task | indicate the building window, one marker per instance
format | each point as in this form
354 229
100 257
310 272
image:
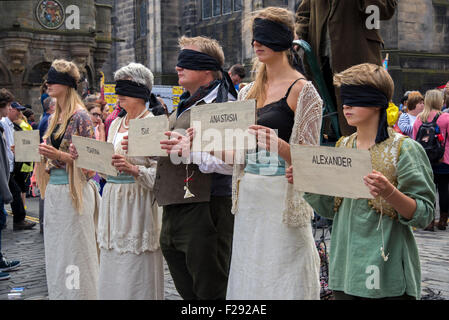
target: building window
141 17
237 5
207 9
227 6
215 8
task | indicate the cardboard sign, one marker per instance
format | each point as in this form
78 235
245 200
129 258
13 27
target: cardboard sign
330 171
27 146
145 136
94 155
223 126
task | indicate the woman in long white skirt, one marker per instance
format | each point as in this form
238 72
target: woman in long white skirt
131 265
273 253
71 201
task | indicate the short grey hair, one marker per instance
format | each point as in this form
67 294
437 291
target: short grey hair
136 72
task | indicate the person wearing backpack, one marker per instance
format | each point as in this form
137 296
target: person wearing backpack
431 129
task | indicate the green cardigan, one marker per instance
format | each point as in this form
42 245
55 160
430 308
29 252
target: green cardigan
356 265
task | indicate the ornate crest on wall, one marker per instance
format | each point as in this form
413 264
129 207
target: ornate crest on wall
50 14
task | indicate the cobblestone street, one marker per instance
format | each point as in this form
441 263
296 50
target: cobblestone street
28 247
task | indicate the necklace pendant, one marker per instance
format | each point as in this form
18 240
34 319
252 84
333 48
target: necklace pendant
188 193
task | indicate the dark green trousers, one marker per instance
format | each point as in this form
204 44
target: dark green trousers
196 241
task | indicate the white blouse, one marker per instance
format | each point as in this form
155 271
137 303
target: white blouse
128 220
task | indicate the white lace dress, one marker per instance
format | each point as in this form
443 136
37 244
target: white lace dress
131 265
273 254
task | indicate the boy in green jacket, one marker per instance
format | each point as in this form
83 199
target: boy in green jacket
373 251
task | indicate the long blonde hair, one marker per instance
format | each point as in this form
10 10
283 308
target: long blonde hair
259 69
76 177
433 101
72 99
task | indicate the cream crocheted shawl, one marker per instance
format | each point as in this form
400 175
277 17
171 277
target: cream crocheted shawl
306 130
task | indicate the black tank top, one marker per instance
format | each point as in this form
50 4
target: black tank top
278 115
56 143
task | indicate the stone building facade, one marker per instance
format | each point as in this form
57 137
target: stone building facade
28 46
147 31
114 33
416 38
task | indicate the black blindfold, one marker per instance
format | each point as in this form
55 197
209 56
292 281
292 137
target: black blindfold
272 35
367 96
363 96
55 77
195 60
132 89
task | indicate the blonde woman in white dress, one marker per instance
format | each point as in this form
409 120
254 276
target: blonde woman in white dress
274 254
71 199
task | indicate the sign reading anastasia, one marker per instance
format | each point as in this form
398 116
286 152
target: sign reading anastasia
145 136
330 171
223 126
94 155
27 146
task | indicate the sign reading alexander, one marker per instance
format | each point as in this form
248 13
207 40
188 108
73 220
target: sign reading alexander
145 136
330 171
223 126
94 155
27 146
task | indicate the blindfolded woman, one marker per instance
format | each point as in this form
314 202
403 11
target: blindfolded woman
274 254
70 198
128 229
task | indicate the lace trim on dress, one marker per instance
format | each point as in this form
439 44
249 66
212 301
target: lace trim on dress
148 241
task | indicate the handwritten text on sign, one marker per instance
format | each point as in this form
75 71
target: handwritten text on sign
94 155
329 171
145 136
27 146
223 126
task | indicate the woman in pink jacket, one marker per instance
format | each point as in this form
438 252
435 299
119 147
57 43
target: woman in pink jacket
433 104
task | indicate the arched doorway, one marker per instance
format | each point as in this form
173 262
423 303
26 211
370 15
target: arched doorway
38 73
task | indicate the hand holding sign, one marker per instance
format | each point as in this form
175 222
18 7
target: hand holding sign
178 144
379 185
122 165
49 152
289 174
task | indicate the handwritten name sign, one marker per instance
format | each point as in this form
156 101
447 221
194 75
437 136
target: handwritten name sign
223 126
145 136
94 155
329 171
27 146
